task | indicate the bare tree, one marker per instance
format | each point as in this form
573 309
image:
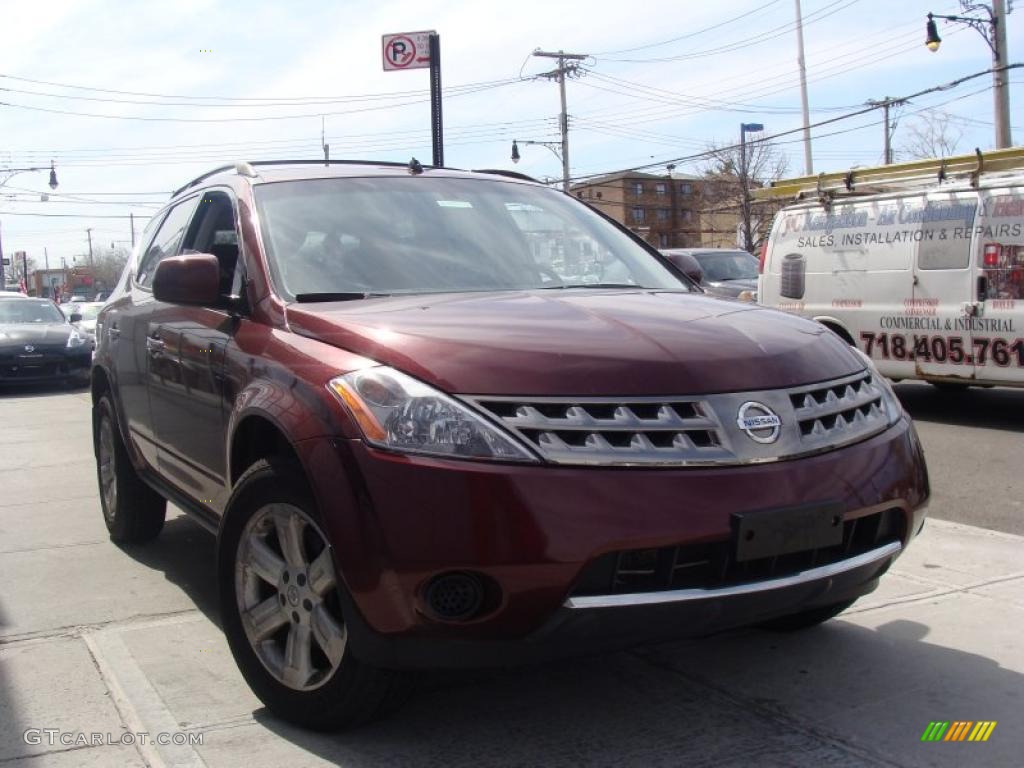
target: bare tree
730 173
108 266
931 134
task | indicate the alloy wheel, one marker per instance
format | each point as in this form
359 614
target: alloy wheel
285 587
108 467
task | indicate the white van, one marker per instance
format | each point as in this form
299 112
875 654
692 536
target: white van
928 280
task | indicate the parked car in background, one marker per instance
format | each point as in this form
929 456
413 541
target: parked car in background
719 271
426 436
88 311
38 343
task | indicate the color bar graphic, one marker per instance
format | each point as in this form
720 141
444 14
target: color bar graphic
958 730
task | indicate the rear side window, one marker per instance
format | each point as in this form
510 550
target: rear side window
166 241
946 233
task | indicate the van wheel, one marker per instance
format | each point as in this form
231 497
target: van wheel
134 512
807 619
282 611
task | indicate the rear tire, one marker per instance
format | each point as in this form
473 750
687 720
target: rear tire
807 619
134 512
282 611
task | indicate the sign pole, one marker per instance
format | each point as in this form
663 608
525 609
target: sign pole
436 121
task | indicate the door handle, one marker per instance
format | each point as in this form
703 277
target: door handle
114 332
154 345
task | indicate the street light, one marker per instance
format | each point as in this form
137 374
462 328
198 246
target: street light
554 146
748 235
12 172
993 29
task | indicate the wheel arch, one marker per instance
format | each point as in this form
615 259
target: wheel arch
838 328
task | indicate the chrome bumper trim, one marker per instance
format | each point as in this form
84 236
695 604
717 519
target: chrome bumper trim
689 595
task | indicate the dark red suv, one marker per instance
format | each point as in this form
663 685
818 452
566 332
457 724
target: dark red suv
443 418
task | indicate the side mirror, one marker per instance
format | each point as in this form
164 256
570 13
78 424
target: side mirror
75 318
695 273
192 279
688 265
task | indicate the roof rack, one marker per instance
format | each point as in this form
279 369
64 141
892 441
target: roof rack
247 168
883 178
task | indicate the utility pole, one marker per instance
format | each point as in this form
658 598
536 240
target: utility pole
323 142
559 74
1000 77
88 233
808 163
885 103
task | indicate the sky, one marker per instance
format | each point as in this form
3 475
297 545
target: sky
132 99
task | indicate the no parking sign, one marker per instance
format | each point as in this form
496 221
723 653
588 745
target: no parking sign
408 50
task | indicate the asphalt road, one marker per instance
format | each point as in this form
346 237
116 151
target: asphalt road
974 445
101 640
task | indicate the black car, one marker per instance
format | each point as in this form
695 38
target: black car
38 343
719 271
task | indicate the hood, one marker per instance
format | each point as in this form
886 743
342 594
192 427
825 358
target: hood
731 288
580 342
34 333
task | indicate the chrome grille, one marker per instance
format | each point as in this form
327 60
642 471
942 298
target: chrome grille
690 431
835 411
599 430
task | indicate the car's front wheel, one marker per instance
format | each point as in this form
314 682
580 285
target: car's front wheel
134 512
281 607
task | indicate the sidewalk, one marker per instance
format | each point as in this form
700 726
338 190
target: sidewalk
96 639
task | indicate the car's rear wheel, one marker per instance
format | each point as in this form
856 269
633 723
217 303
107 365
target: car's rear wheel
806 619
282 609
133 512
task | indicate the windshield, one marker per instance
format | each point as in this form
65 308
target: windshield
23 311
734 265
424 235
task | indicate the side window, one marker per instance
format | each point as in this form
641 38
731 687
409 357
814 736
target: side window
167 240
213 231
945 238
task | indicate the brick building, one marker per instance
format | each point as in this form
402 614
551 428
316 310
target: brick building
663 209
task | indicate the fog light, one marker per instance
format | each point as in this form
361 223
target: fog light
455 596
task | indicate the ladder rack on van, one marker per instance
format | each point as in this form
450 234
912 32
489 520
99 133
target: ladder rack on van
884 178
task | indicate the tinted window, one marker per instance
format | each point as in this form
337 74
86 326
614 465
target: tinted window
29 312
420 235
167 240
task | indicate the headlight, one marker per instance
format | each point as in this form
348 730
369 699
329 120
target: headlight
891 403
398 412
77 339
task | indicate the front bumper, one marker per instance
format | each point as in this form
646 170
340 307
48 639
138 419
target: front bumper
19 367
396 522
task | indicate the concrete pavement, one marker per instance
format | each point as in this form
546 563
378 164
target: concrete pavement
97 639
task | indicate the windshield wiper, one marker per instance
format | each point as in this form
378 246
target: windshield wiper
311 298
593 285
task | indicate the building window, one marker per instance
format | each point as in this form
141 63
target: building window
663 214
663 241
598 195
686 188
639 216
687 215
660 189
638 187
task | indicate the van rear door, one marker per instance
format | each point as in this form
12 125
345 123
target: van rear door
999 258
940 341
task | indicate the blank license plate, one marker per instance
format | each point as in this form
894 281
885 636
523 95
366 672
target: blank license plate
774 532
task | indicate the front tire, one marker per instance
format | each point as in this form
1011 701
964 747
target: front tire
282 611
134 512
